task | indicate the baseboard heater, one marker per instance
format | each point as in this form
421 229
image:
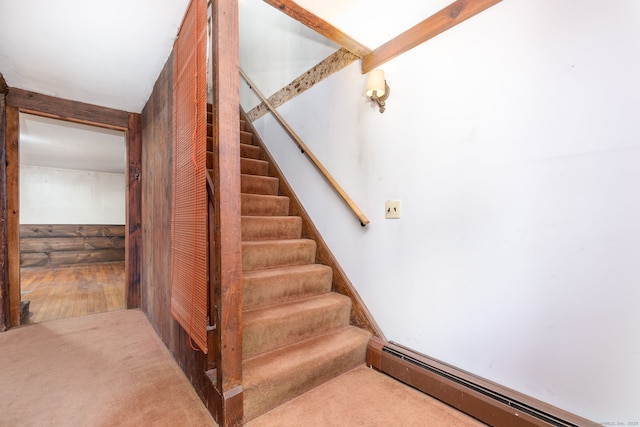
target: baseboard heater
482 399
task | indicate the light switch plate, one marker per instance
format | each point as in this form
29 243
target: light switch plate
392 209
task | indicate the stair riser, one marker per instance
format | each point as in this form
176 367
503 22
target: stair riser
246 138
254 184
271 228
252 204
248 151
264 332
209 160
279 384
254 167
259 255
280 286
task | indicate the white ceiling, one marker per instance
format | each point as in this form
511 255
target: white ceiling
374 22
107 53
64 145
110 53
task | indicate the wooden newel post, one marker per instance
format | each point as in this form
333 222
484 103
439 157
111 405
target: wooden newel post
227 398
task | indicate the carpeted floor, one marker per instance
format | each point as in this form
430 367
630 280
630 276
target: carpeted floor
111 369
108 369
364 397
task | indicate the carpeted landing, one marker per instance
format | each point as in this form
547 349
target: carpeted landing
108 369
364 397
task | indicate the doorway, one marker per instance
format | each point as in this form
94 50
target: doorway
72 192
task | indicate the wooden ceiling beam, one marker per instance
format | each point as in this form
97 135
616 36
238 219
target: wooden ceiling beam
320 26
450 16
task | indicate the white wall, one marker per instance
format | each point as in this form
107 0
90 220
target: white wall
64 196
513 142
282 49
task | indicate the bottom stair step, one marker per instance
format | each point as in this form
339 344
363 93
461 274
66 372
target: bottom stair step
279 325
273 378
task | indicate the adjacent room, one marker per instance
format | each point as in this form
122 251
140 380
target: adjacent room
72 215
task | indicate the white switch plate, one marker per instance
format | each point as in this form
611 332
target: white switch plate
392 209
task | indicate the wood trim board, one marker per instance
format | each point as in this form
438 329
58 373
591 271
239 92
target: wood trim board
64 109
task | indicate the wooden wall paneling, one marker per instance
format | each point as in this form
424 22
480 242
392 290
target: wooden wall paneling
74 111
439 22
157 137
133 232
227 394
70 230
67 244
155 279
56 244
13 203
70 257
4 255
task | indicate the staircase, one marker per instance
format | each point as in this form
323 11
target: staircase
296 332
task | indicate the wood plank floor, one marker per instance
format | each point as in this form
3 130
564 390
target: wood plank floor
71 291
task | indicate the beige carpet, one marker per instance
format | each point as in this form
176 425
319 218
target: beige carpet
108 369
364 397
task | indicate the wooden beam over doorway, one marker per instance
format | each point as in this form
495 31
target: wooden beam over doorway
64 109
437 23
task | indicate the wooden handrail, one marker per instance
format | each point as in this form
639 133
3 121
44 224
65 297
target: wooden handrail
305 150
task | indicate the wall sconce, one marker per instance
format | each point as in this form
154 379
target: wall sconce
377 88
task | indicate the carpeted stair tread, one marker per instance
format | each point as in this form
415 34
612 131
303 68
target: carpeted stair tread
278 285
272 378
271 227
268 328
260 204
254 166
257 184
262 254
246 150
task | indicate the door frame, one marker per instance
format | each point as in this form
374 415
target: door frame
19 100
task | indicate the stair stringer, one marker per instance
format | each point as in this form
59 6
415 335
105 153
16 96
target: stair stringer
360 315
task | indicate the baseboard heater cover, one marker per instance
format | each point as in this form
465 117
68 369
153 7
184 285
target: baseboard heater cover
482 399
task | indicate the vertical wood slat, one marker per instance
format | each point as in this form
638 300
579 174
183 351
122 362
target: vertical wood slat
226 138
4 271
133 242
13 220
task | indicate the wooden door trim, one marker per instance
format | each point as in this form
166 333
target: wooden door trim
79 112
